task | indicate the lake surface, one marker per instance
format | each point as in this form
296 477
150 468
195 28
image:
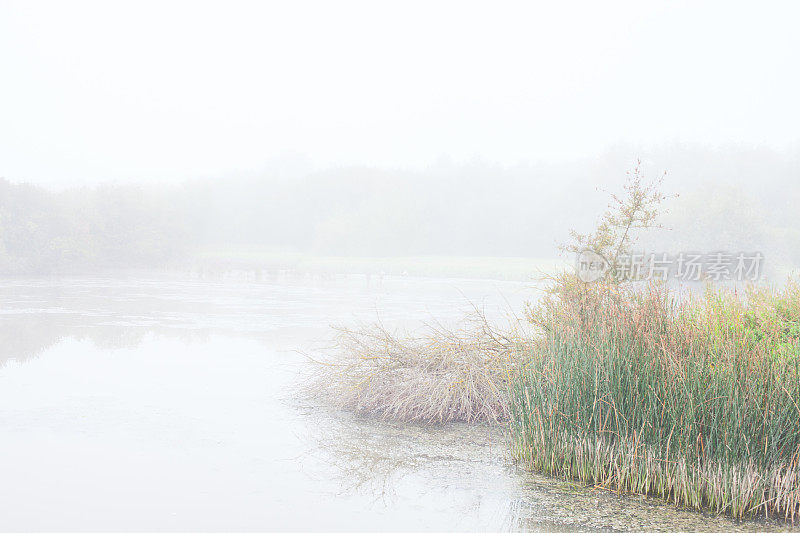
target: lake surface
171 404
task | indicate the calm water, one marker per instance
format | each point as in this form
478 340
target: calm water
171 405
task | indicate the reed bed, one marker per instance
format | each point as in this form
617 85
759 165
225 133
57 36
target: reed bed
694 400
439 375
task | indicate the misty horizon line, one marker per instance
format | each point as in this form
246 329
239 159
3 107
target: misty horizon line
298 164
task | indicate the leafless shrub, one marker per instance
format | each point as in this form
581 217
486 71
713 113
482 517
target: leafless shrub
441 375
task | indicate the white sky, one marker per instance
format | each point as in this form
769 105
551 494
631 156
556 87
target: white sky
167 90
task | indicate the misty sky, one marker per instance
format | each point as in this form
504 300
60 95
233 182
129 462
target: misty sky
169 90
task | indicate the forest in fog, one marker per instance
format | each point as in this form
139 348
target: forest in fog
476 209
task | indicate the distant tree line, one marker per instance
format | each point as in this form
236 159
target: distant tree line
108 227
344 212
729 199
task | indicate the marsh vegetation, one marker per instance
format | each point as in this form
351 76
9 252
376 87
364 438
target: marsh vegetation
441 374
630 386
694 400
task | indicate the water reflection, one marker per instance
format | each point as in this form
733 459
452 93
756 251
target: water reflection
35 314
383 459
177 399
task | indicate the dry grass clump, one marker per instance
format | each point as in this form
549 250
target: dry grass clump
693 400
440 375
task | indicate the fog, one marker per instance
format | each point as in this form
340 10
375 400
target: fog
733 198
144 134
159 92
193 193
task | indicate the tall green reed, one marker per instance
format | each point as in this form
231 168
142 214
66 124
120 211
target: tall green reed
694 400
